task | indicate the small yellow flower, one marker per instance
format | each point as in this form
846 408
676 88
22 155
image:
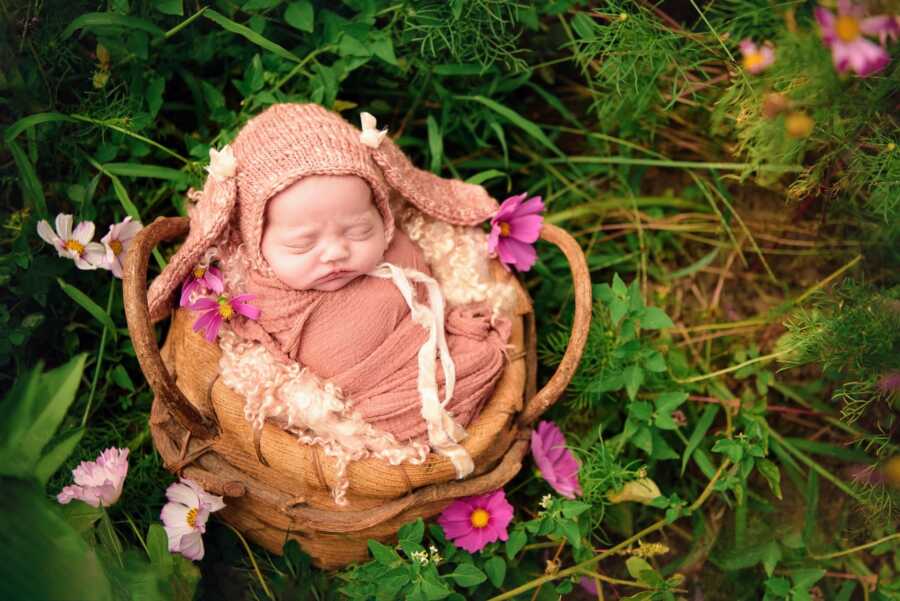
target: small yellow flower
798 124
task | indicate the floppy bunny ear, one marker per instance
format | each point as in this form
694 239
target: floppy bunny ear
450 200
209 218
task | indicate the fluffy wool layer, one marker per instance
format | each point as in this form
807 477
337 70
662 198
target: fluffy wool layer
315 410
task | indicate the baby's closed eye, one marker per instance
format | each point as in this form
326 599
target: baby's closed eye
359 232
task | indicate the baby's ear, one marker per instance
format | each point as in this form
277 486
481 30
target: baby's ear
209 218
450 200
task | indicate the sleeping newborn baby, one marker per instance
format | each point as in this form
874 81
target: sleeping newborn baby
322 236
299 208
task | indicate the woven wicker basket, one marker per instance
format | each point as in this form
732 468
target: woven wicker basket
279 489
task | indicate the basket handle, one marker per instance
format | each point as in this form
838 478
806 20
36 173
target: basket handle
137 313
581 280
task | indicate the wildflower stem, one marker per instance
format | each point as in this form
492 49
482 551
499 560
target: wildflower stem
99 364
852 550
259 576
136 136
580 567
184 23
726 370
611 580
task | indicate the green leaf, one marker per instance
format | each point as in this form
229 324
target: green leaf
517 540
383 554
468 575
655 318
28 180
619 287
299 15
703 424
804 579
170 7
121 378
655 363
634 377
88 305
257 5
495 568
158 548
618 307
81 516
412 532
383 47
154 94
693 268
11 132
668 402
636 566
89 20
771 556
518 120
770 472
435 144
55 395
731 448
483 176
350 46
247 33
53 459
144 170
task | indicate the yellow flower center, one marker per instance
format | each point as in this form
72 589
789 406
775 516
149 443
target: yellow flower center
192 517
846 28
225 309
199 271
116 247
504 229
75 246
752 61
480 518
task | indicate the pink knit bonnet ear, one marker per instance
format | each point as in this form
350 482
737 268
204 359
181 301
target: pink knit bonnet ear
209 218
450 200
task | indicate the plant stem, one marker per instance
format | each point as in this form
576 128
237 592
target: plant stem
726 370
578 568
109 300
852 550
259 575
184 23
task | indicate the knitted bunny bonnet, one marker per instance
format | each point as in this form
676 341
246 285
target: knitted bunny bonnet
285 143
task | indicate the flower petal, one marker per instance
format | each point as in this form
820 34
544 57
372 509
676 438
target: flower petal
47 234
825 19
179 492
204 304
212 279
191 546
64 226
519 254
526 228
84 232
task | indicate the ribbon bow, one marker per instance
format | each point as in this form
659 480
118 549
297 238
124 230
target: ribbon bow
370 136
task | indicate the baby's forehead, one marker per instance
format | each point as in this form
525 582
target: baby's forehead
322 197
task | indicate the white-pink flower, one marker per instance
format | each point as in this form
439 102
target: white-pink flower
185 515
100 481
73 244
116 242
844 35
756 58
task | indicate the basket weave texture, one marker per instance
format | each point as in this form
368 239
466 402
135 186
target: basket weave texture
277 488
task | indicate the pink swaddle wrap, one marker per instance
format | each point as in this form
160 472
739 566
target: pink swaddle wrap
363 339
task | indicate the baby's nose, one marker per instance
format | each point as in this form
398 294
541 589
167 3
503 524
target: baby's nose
335 249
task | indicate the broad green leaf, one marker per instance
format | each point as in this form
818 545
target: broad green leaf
55 395
383 47
703 424
634 377
158 548
468 575
731 448
804 579
81 516
89 305
300 15
495 568
655 318
382 553
244 31
618 286
170 7
53 459
517 540
435 144
661 448
770 471
668 402
89 20
412 532
771 556
636 566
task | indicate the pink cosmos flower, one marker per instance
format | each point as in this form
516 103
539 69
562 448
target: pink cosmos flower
756 59
221 309
514 229
557 464
843 34
184 517
100 481
116 242
73 244
473 522
203 278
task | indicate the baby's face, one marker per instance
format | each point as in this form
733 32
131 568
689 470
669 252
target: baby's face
322 232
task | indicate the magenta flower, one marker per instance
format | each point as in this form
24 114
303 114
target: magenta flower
473 522
514 229
73 244
557 464
116 242
756 59
98 482
843 34
222 309
184 517
204 278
